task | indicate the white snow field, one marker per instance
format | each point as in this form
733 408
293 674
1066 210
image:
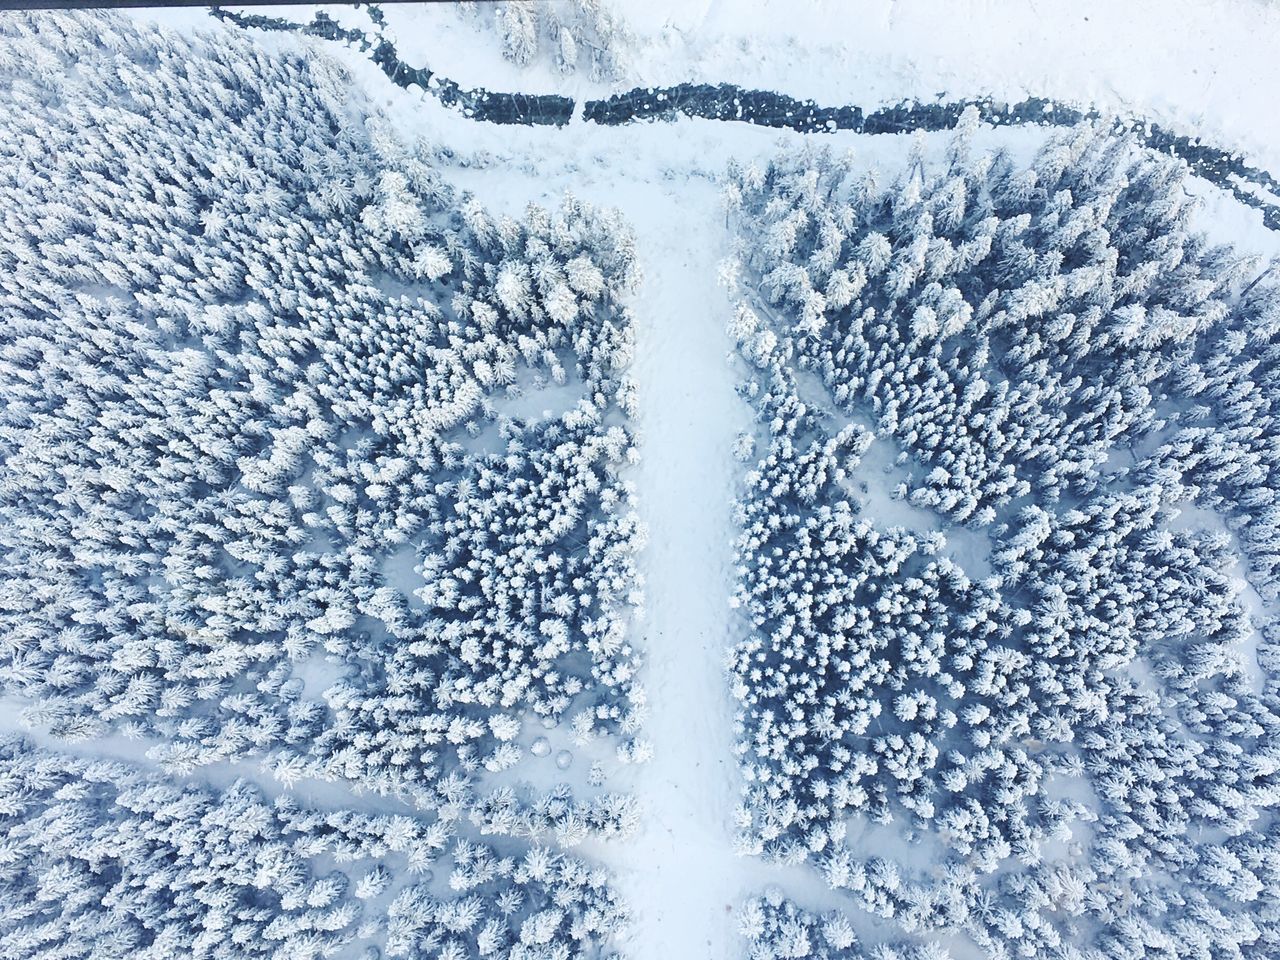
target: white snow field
1206 68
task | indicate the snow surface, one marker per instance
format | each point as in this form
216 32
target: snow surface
1208 66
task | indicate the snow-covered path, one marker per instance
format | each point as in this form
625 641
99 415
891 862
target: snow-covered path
680 874
679 871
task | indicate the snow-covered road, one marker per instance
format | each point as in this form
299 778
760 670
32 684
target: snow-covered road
679 871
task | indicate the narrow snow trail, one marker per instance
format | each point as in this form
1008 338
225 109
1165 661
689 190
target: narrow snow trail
680 874
679 870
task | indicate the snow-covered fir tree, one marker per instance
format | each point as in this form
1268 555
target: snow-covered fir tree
253 418
1077 738
778 929
570 35
307 457
99 861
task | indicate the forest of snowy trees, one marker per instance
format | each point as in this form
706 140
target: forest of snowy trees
571 35
1074 752
97 861
318 525
307 458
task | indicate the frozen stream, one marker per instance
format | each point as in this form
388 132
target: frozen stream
730 102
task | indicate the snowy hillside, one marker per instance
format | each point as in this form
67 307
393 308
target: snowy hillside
457 500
